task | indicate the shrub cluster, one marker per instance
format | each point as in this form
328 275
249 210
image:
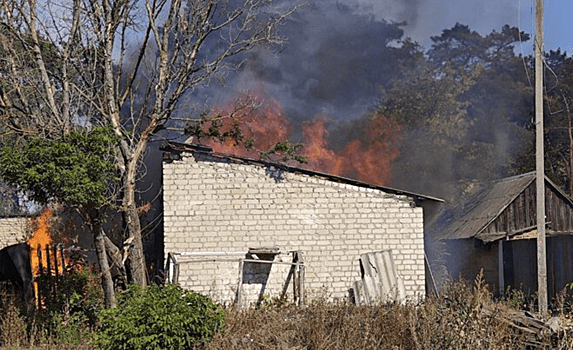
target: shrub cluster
159 317
168 317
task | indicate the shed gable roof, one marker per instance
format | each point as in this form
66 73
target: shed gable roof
470 218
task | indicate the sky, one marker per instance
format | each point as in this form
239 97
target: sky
558 25
429 17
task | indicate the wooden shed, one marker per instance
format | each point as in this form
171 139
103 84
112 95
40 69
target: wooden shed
495 230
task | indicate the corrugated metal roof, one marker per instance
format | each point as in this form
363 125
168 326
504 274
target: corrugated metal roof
469 219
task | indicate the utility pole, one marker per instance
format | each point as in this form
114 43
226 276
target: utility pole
539 162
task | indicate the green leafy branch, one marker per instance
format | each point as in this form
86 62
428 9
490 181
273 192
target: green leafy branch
76 169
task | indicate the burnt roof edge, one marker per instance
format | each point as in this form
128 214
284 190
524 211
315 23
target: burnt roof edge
177 148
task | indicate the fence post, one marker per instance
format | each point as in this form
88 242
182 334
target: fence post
40 265
48 279
39 273
61 247
56 270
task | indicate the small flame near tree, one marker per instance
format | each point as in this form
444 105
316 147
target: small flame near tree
249 119
42 239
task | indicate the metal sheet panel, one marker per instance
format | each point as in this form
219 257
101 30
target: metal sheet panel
380 281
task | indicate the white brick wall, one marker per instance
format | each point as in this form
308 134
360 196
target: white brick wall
216 204
13 230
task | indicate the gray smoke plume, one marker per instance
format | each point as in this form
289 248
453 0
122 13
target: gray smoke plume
339 53
426 18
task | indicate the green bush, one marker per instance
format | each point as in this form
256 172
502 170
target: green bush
159 317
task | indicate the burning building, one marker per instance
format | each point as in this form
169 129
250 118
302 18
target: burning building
27 250
495 230
220 210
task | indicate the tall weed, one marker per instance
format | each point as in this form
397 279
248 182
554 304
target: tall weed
13 325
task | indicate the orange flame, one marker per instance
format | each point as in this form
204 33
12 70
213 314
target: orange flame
260 119
367 157
41 247
316 148
41 238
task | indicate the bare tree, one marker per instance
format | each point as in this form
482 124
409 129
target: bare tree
127 64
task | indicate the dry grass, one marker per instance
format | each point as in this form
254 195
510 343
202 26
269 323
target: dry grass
13 328
463 317
19 331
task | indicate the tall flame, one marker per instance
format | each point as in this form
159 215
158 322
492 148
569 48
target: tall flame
367 157
41 238
44 257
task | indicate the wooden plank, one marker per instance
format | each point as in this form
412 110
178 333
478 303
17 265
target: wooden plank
264 251
56 264
510 216
176 273
240 286
500 267
295 285
302 271
40 263
61 247
48 262
287 282
530 204
269 262
519 212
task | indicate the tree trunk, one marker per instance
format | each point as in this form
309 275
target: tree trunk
136 256
114 254
137 264
91 217
107 281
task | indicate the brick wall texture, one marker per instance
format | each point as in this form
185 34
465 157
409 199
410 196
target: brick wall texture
215 204
13 230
